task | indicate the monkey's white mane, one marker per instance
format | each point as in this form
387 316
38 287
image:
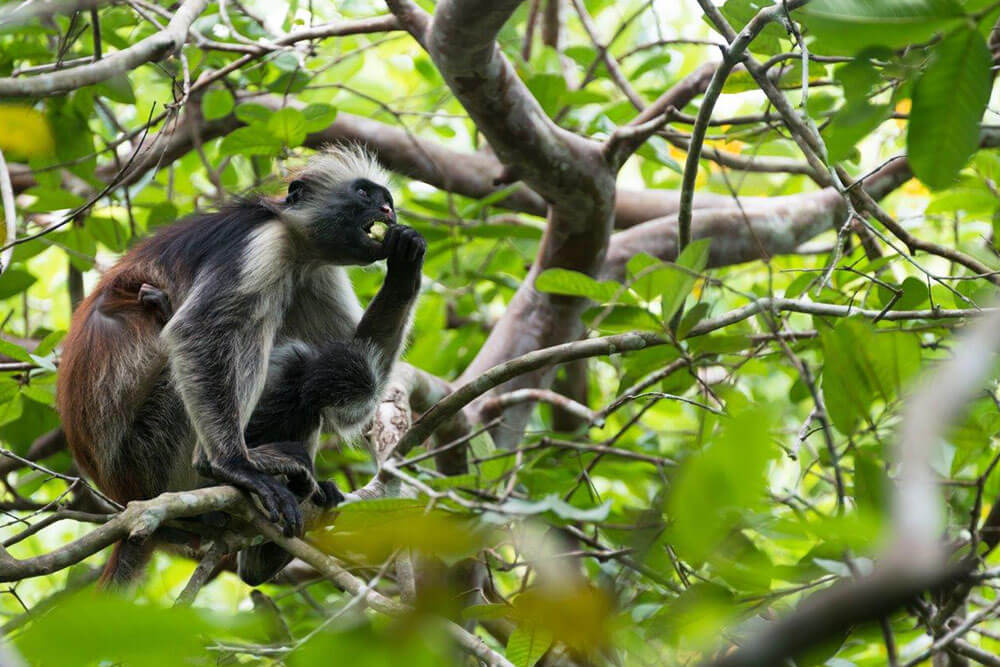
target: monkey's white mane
335 164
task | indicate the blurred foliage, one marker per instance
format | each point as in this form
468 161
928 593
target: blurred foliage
708 523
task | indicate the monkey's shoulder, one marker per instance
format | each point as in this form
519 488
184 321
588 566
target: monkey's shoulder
216 239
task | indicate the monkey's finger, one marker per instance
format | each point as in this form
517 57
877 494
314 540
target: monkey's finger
391 241
417 248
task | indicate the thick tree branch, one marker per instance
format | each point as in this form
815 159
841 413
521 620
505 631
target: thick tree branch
564 168
570 172
762 228
151 48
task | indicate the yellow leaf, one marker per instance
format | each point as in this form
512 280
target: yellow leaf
24 132
903 106
916 188
579 616
370 532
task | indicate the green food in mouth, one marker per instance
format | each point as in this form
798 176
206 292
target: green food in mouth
377 231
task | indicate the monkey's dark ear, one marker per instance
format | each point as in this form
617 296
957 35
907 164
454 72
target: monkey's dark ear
296 190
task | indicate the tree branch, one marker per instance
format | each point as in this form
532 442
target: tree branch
151 48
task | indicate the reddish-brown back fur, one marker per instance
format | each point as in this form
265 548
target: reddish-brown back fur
106 330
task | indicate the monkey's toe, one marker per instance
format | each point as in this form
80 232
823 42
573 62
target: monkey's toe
328 495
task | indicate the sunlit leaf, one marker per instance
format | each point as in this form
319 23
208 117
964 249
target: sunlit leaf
526 646
848 26
948 103
372 530
563 281
254 140
216 103
24 132
288 126
722 482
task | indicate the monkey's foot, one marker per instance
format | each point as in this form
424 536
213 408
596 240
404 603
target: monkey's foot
156 300
290 459
278 502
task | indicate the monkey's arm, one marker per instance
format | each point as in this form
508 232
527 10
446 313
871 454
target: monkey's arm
360 370
218 343
387 319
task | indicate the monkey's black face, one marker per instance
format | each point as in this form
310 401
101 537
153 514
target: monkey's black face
344 225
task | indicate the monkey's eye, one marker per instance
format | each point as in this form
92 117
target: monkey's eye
363 193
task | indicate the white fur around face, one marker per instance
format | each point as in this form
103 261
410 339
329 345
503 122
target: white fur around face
265 258
337 164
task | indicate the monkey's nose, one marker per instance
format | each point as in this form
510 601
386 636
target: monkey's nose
388 211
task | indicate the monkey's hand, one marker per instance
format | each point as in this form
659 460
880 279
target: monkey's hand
404 250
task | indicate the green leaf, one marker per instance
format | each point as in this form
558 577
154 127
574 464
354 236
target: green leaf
657 61
549 90
724 480
372 530
52 199
618 319
486 611
861 365
15 281
869 481
849 26
108 629
850 125
108 231
969 195
740 12
526 646
318 116
49 343
288 126
292 82
949 99
216 103
255 140
799 285
251 113
117 88
489 468
657 150
694 258
15 352
694 315
574 283
695 255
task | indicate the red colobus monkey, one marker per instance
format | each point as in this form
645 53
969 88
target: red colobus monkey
251 341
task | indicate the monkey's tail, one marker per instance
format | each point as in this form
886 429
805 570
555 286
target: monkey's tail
127 563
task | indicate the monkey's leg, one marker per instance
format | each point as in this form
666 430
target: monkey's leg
140 466
302 383
156 300
261 562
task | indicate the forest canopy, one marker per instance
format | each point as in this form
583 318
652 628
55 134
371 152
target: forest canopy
702 368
